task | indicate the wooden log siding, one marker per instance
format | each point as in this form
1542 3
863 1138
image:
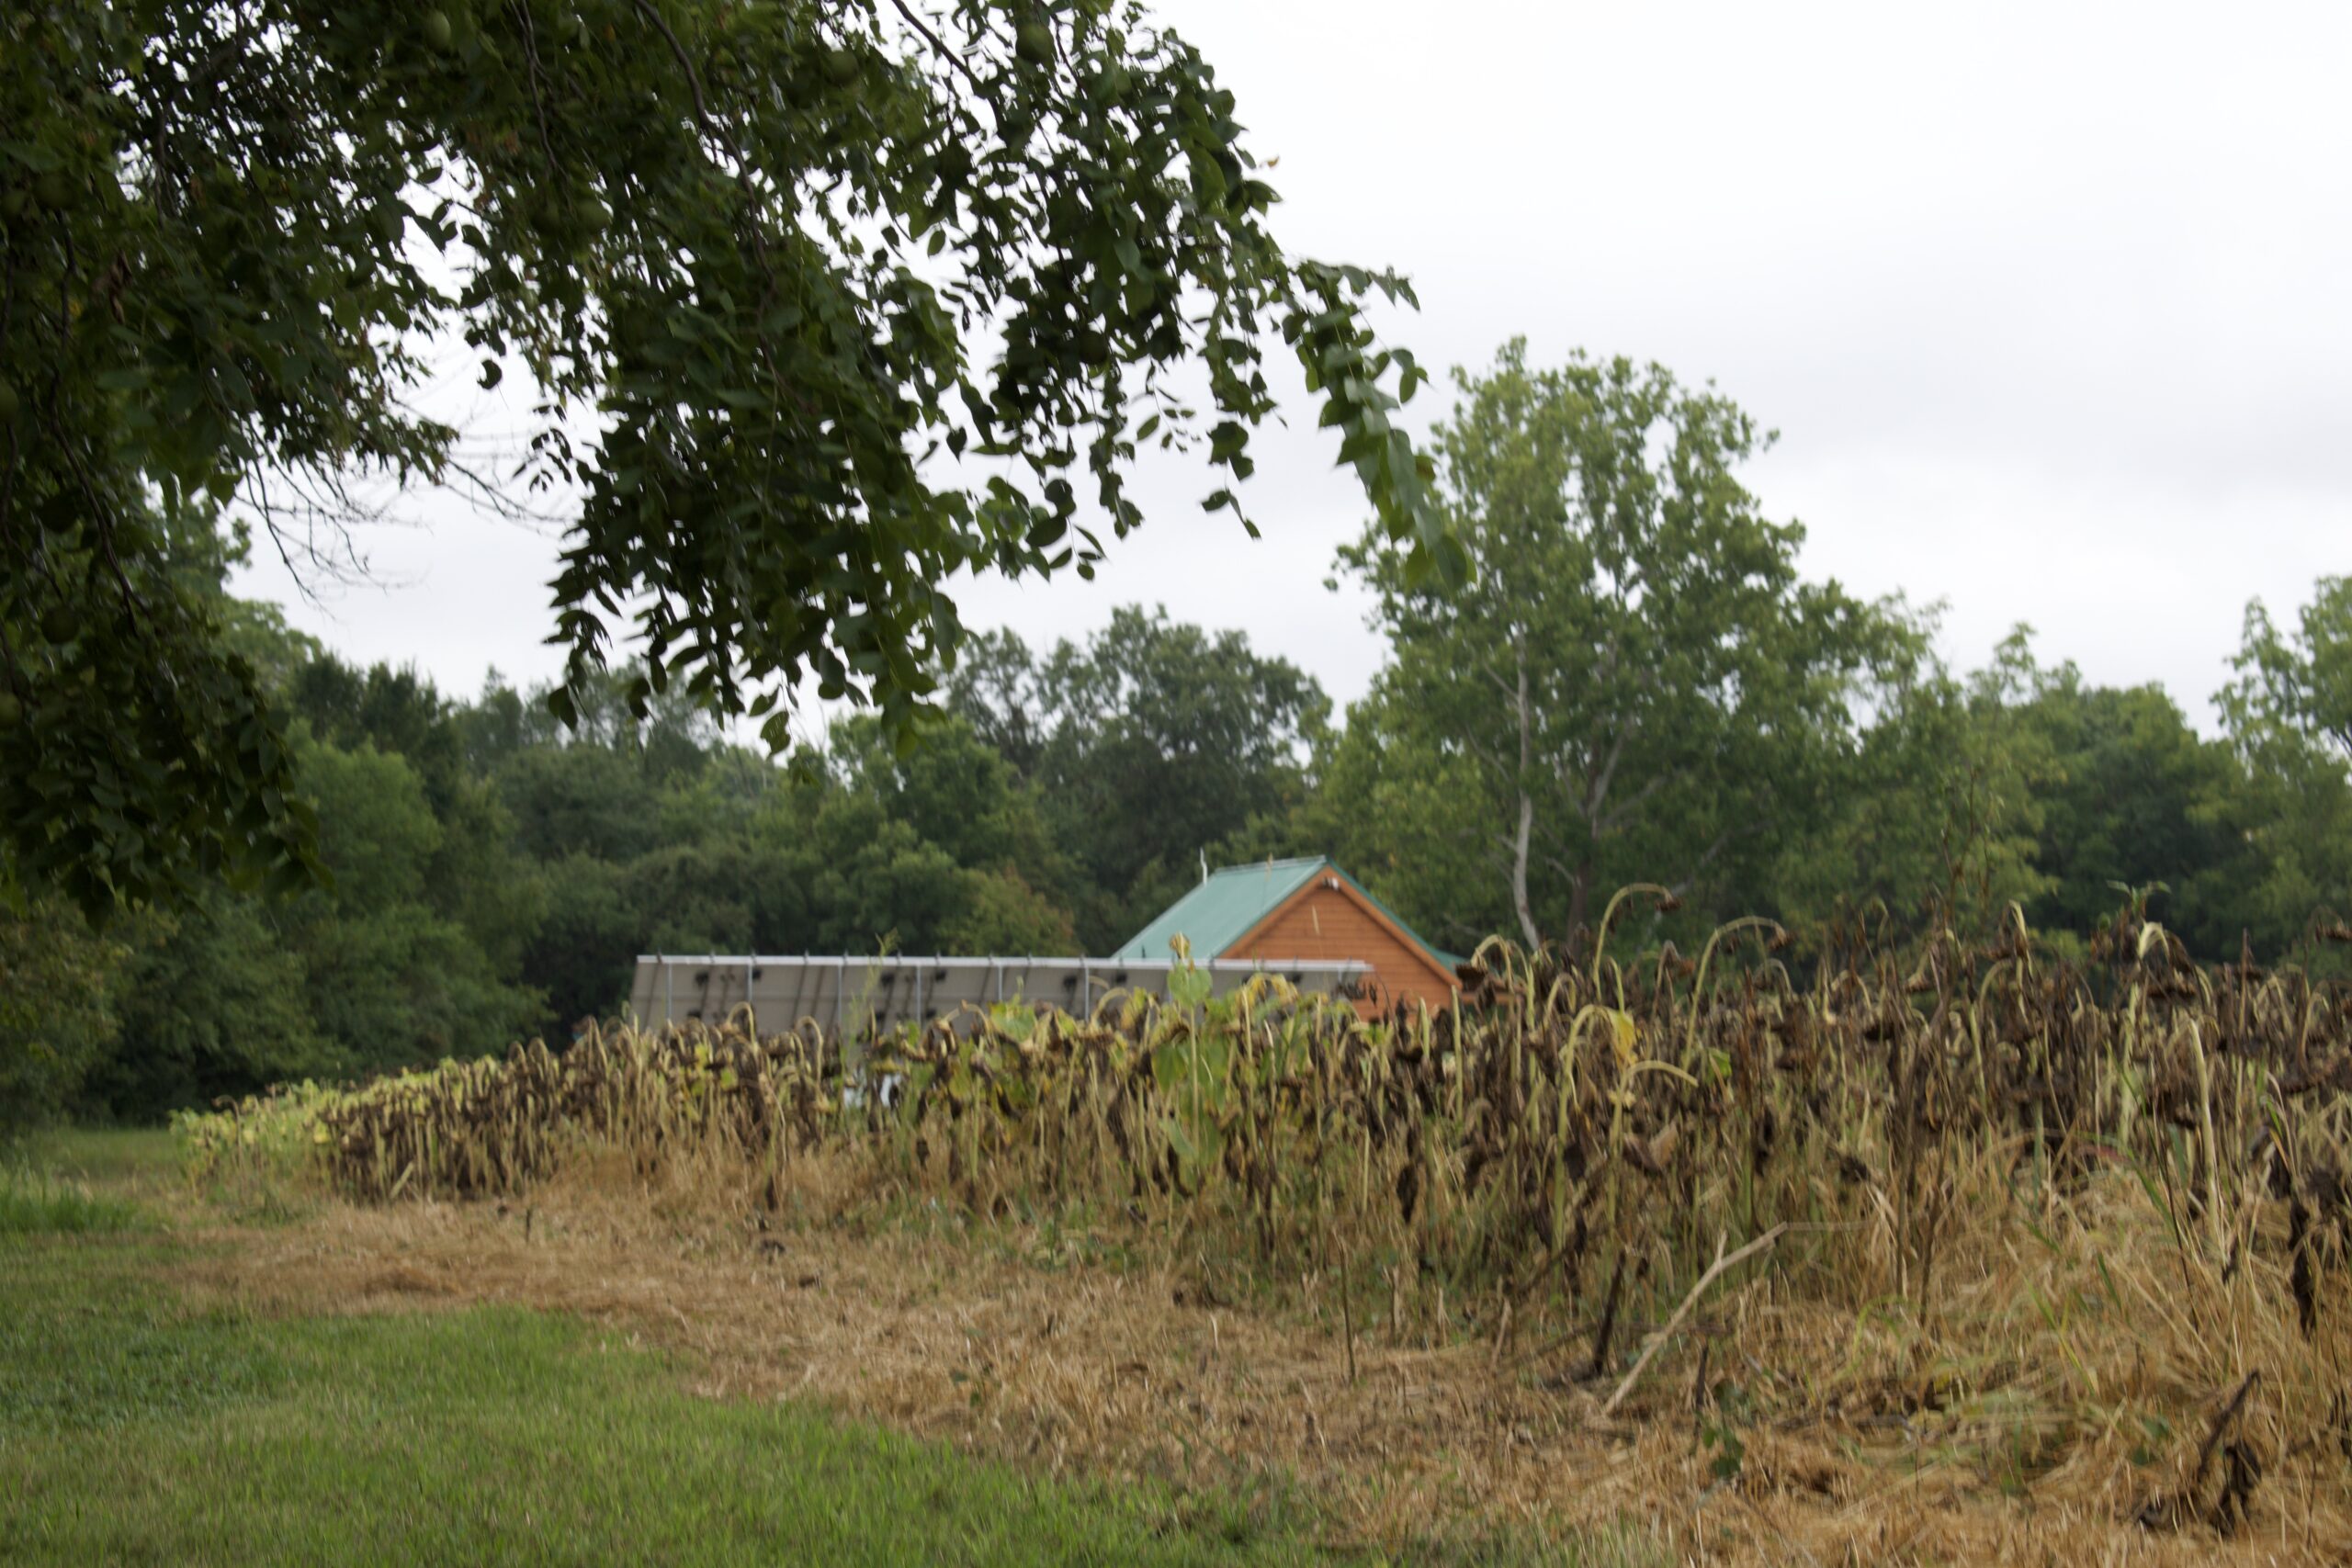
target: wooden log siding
1327 920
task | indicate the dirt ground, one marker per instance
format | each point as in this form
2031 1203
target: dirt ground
1069 1364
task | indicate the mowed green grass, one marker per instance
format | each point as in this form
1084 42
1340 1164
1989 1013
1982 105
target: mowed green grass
129 1157
135 1429
136 1426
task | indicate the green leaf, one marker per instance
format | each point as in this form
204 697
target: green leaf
1179 1140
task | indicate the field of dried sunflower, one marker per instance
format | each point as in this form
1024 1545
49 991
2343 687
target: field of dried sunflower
2068 1232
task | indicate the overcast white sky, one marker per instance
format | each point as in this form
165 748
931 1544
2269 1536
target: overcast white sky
2052 306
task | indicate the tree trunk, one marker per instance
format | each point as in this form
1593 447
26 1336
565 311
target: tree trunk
1519 874
1579 899
1520 841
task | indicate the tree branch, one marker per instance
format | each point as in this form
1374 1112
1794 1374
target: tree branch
1706 858
1597 792
1627 810
694 79
939 45
1658 1340
537 81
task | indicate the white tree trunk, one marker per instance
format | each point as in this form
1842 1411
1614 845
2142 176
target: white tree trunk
1521 840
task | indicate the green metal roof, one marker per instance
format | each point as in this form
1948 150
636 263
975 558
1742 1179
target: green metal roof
1220 911
1223 909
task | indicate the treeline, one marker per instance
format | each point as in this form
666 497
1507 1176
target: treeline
1634 685
493 872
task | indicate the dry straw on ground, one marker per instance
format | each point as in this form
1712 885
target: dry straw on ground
2053 1268
996 1343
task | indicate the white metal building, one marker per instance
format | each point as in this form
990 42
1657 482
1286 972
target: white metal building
862 996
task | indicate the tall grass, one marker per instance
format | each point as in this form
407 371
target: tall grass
37 1202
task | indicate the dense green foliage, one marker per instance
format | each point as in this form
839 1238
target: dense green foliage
55 1025
1633 683
1146 747
1636 685
493 872
775 272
